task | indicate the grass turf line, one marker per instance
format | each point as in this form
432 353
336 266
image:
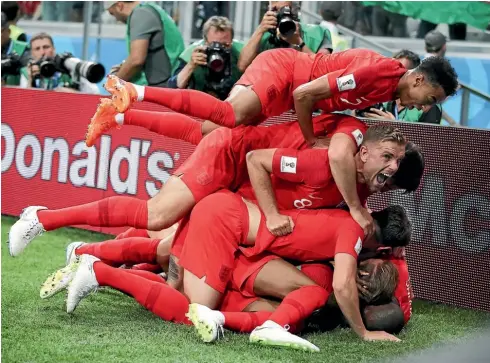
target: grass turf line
110 327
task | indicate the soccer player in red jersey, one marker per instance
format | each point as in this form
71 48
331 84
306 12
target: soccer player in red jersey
217 163
281 79
302 179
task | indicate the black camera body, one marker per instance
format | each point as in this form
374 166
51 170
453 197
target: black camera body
286 18
47 66
378 106
219 79
219 58
11 64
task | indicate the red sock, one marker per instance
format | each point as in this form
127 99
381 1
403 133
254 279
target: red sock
161 299
122 251
116 211
133 232
243 322
147 275
170 124
150 267
193 103
299 304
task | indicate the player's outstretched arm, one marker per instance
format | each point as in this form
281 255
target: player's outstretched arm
347 296
341 154
305 97
259 164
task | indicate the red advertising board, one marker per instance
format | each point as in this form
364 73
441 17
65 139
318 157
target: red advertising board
45 162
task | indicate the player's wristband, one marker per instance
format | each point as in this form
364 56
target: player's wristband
299 46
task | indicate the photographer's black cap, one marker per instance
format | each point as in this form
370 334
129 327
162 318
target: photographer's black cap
4 21
434 41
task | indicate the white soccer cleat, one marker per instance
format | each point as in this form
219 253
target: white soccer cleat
209 323
271 333
24 230
70 251
83 282
59 280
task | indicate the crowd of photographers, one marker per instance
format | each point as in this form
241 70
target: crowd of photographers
157 55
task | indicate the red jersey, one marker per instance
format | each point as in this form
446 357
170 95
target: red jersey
358 78
312 185
318 235
403 291
303 179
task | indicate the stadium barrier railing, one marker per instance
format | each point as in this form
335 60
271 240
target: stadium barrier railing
45 162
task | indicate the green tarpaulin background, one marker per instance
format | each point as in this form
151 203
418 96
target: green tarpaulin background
475 13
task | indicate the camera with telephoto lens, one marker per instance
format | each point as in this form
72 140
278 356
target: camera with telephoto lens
66 63
11 64
378 106
286 18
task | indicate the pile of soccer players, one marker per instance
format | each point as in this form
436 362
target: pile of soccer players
262 230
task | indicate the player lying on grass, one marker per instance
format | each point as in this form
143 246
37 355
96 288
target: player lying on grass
376 281
219 163
209 251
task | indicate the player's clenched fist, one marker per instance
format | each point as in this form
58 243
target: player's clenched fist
280 225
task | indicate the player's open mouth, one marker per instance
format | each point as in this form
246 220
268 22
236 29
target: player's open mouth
381 178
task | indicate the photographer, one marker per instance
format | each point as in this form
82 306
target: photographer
154 43
280 28
45 70
393 110
210 65
15 54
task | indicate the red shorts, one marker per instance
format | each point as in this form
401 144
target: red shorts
234 301
211 166
217 225
321 274
274 75
246 270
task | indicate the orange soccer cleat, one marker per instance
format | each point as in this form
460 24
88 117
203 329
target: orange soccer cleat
123 93
103 120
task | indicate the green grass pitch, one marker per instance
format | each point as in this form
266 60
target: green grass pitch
110 327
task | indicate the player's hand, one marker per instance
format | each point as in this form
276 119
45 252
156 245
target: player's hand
364 219
379 114
199 57
321 143
280 225
372 336
269 21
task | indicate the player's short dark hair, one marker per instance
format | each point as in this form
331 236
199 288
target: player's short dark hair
11 9
42 35
395 228
439 72
411 169
408 54
378 286
387 317
384 132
